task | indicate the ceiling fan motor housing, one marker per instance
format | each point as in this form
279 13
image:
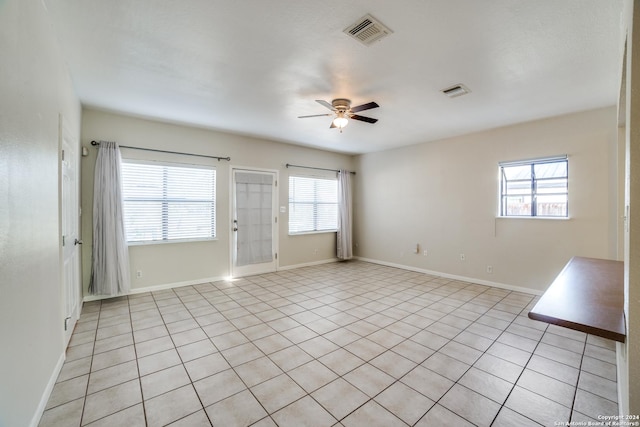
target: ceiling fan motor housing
342 111
341 104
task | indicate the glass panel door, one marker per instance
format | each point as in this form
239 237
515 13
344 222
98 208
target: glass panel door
254 222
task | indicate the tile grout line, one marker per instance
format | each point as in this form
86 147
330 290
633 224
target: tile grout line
396 380
182 363
315 359
135 352
504 330
575 392
98 370
234 371
86 393
524 368
496 303
423 329
340 288
483 353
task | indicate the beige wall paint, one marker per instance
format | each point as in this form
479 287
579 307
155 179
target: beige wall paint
35 88
443 196
630 371
173 263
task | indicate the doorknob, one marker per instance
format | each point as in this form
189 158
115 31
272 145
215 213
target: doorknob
77 242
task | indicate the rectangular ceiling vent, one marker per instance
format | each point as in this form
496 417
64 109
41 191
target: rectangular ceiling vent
457 90
367 30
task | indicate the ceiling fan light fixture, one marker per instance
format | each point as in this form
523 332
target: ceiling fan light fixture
343 111
340 121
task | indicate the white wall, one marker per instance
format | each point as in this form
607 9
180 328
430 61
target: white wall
35 88
173 263
443 195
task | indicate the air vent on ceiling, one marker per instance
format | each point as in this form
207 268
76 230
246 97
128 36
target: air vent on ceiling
367 30
457 90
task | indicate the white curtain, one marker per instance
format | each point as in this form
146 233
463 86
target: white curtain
344 243
254 207
110 256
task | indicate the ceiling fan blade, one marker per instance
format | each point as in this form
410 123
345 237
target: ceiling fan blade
363 118
325 103
363 107
315 115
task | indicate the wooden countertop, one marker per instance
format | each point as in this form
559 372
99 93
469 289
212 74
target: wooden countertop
588 296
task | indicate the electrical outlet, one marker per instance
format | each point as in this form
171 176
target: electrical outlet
139 274
489 269
462 257
424 252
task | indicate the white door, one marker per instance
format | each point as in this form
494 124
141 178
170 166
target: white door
254 222
70 242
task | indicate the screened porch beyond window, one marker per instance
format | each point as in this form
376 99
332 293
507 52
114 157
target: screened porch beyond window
537 188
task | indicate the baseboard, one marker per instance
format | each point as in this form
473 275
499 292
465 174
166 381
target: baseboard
454 276
165 286
47 392
308 264
156 288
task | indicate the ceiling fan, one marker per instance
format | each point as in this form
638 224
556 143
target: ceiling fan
343 111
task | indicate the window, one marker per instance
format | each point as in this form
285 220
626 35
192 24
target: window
168 202
313 204
534 188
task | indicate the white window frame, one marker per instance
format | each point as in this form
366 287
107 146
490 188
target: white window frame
292 204
533 185
166 201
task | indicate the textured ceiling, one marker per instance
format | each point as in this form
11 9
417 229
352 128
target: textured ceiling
253 66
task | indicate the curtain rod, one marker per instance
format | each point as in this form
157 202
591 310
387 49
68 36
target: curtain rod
169 152
319 169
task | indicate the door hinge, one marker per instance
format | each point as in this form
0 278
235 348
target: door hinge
63 239
62 155
66 323
276 219
276 255
276 183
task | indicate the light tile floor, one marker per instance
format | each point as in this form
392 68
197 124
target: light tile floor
344 344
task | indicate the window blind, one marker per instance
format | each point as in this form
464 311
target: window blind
313 204
168 202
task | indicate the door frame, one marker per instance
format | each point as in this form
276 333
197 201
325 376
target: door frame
275 211
69 318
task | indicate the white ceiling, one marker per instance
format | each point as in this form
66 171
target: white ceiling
253 66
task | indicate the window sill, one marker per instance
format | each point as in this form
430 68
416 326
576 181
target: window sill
304 233
545 218
165 242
